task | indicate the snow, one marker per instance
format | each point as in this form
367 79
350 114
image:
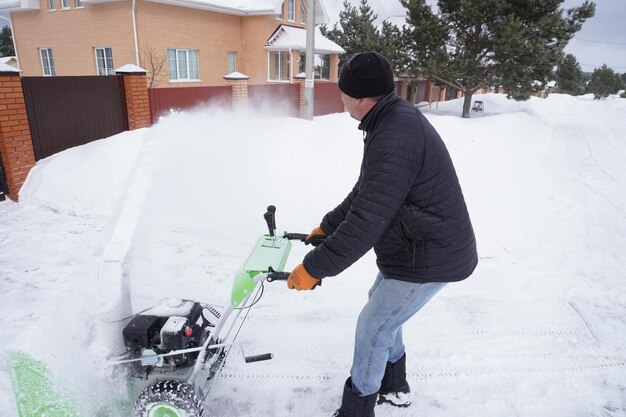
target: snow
172 211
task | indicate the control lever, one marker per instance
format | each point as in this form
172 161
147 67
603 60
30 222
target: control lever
270 219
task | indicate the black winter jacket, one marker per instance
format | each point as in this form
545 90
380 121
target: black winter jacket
407 204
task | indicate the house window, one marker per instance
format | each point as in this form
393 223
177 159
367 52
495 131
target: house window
65 4
79 3
302 12
279 66
47 62
232 61
104 61
321 66
291 10
183 64
52 5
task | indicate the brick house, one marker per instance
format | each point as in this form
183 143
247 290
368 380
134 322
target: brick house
195 42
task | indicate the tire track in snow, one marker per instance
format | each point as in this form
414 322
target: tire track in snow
446 373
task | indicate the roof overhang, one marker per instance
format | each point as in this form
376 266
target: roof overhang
294 38
240 8
18 5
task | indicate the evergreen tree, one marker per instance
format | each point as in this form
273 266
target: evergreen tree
604 82
392 45
356 31
6 42
569 76
472 44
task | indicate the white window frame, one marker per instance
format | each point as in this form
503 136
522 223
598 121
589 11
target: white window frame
318 68
80 4
271 62
52 5
105 70
187 71
49 57
302 12
291 10
65 5
232 61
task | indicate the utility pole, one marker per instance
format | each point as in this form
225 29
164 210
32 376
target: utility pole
309 103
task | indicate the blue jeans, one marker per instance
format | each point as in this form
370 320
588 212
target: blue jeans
379 328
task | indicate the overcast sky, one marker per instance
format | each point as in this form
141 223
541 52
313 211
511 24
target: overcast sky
602 40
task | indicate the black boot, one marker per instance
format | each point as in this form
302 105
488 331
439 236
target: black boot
354 406
394 388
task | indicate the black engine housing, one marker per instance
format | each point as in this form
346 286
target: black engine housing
166 328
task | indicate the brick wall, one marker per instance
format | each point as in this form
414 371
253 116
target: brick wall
74 33
16 147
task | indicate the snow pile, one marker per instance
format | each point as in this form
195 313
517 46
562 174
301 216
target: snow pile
539 329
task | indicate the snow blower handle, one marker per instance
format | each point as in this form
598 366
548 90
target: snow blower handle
277 275
258 358
283 276
314 240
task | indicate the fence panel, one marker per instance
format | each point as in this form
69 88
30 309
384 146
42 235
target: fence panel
4 189
69 111
327 98
282 99
164 100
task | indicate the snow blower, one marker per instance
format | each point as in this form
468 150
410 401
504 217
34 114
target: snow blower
177 348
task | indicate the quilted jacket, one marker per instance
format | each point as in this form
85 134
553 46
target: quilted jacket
407 204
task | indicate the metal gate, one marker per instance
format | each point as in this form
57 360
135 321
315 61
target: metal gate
69 111
4 189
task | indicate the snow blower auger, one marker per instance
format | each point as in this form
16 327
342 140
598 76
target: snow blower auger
177 348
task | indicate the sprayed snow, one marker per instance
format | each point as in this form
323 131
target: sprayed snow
539 329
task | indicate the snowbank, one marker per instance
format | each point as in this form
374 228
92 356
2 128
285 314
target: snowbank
539 329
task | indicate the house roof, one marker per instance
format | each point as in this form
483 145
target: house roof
17 5
233 7
289 37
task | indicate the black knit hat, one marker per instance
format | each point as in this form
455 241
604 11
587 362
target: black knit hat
366 74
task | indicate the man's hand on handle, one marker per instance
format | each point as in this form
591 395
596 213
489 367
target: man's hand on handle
316 237
300 279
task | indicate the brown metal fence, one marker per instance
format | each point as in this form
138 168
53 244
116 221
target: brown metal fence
4 189
327 98
69 111
165 100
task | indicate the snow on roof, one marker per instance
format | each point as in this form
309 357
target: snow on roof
7 68
237 7
18 5
289 37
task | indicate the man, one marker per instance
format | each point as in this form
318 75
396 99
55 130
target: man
407 204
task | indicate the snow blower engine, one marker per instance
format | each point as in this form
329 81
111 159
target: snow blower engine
174 325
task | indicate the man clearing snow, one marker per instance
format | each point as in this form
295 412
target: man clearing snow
407 204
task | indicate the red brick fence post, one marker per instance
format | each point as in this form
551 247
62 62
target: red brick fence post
137 99
16 145
239 84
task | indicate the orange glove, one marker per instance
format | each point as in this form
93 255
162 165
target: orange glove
300 279
316 237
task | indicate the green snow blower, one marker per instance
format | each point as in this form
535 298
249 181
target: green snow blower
177 348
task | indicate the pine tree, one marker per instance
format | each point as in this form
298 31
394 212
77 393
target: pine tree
6 42
569 76
391 44
604 81
472 44
356 31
